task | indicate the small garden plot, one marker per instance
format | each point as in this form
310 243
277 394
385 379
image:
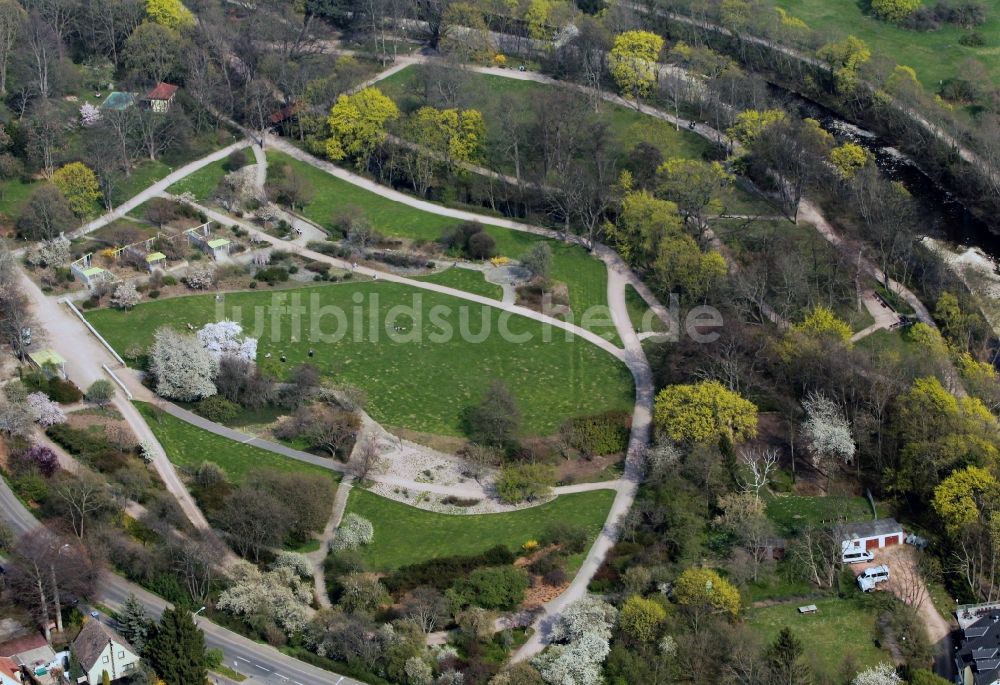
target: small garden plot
421 378
187 446
585 276
840 630
406 535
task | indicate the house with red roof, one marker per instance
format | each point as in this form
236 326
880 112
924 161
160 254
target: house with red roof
10 673
161 97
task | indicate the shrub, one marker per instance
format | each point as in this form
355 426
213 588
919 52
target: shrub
169 280
100 392
481 246
201 278
492 587
30 486
237 159
524 482
470 240
63 391
442 572
36 458
973 39
272 274
354 532
218 409
454 501
894 10
572 538
153 294
599 434
93 448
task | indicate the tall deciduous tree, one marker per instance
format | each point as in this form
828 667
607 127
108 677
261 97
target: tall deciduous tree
704 412
358 125
633 62
12 18
182 367
79 185
46 215
496 419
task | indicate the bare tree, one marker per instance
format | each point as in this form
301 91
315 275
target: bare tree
367 460
194 561
12 18
759 462
426 607
818 551
82 495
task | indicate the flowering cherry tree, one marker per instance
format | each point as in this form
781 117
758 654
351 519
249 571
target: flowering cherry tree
45 412
182 367
355 531
586 627
279 594
125 296
882 674
826 429
225 338
89 115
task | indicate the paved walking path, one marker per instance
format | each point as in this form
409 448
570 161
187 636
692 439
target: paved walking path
884 315
318 557
155 189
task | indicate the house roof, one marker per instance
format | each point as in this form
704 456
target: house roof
93 271
92 640
163 91
9 668
43 357
218 242
155 256
118 100
870 529
19 645
979 651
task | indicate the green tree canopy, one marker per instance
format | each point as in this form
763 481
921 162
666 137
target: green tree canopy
704 412
633 62
176 650
170 13
965 496
79 185
358 124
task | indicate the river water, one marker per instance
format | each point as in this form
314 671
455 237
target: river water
943 216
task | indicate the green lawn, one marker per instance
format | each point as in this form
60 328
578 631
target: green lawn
201 183
642 317
14 196
793 512
586 277
188 446
489 94
422 379
407 535
935 55
465 279
143 176
842 629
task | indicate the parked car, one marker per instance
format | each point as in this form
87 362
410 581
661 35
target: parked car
857 556
872 577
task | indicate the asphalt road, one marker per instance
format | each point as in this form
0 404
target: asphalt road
264 663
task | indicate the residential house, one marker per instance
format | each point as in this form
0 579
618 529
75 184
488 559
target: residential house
10 672
99 649
31 652
977 661
161 97
876 534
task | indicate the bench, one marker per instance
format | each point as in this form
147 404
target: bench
808 609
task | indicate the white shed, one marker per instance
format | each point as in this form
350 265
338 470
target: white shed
871 535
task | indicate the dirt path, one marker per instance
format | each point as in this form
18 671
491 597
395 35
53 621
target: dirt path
329 532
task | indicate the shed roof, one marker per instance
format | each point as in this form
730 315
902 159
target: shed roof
870 529
162 91
155 257
9 668
46 356
218 242
22 644
92 640
93 271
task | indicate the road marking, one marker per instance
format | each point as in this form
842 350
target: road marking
262 668
338 682
242 659
282 676
250 439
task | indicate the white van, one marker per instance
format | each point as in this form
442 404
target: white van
871 577
857 556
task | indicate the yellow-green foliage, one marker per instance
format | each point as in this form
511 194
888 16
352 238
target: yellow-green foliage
459 136
894 10
79 184
845 58
704 412
703 586
790 21
848 159
693 184
822 321
959 498
170 13
641 618
358 124
633 62
752 122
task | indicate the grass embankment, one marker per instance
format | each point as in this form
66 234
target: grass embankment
187 446
202 183
422 378
407 535
585 276
465 279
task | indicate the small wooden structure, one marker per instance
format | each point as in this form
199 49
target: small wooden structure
201 237
90 275
49 362
161 97
808 609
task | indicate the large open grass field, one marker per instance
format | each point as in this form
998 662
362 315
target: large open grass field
936 55
187 446
490 94
842 629
423 377
407 535
586 277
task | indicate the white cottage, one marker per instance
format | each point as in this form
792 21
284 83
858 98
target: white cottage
98 649
870 535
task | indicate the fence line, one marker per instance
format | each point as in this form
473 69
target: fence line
118 380
94 331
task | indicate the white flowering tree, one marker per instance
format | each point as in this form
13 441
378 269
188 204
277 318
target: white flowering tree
125 296
280 594
586 627
354 532
882 674
418 671
826 430
226 338
200 279
89 115
293 561
44 411
183 369
55 252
